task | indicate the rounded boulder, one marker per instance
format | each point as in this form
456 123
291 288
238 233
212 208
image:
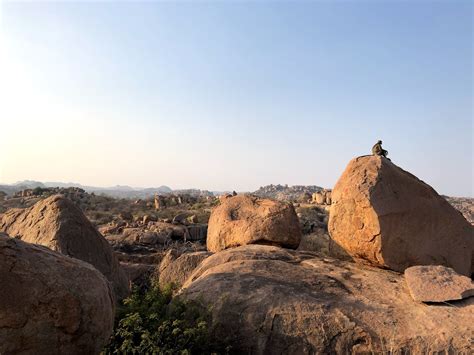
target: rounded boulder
246 219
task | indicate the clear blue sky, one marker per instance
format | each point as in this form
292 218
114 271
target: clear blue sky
234 95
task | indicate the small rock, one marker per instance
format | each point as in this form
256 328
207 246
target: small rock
436 283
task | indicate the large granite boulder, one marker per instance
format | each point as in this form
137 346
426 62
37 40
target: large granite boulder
57 223
269 300
386 216
245 219
51 303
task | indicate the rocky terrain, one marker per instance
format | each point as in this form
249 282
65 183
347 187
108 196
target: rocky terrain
375 265
464 205
118 191
297 193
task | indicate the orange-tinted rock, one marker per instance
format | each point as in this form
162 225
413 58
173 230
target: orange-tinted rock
244 219
51 303
389 218
272 300
176 271
436 283
57 223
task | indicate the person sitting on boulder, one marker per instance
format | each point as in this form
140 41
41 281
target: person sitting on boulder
378 150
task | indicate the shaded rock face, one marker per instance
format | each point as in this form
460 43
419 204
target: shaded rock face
176 269
51 303
244 219
197 232
389 218
138 274
436 283
277 301
58 224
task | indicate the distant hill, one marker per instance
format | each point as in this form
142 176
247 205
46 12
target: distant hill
118 191
285 192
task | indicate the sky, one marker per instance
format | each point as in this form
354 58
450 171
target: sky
234 95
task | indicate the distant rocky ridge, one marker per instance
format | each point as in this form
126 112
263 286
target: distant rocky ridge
296 193
465 205
118 191
287 193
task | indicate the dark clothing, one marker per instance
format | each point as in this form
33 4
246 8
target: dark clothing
378 150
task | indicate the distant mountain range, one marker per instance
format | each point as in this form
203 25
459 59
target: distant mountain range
118 191
279 192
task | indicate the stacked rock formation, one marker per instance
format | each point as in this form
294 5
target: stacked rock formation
322 197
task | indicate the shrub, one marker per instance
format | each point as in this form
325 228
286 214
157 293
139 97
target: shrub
152 322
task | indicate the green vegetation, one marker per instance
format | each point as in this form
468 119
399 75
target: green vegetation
152 322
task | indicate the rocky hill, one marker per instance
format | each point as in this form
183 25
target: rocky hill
287 193
465 205
118 191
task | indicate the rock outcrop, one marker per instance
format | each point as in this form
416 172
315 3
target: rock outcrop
58 224
322 197
176 269
51 303
269 300
391 219
436 283
246 219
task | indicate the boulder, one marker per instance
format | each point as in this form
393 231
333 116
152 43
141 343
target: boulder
436 283
176 271
58 224
319 198
197 232
245 219
181 218
51 303
269 300
384 215
328 197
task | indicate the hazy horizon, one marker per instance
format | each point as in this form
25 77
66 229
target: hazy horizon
234 95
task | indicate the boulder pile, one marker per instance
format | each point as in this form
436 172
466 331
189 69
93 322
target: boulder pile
322 197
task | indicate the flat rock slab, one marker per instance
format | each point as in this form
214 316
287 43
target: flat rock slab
436 283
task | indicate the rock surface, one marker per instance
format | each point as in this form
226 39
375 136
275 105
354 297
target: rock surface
389 218
58 224
177 270
277 301
436 283
51 303
245 219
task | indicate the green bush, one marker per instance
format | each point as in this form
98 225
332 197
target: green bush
152 322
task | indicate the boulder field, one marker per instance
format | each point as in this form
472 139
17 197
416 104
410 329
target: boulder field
246 219
269 300
387 217
51 303
57 223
